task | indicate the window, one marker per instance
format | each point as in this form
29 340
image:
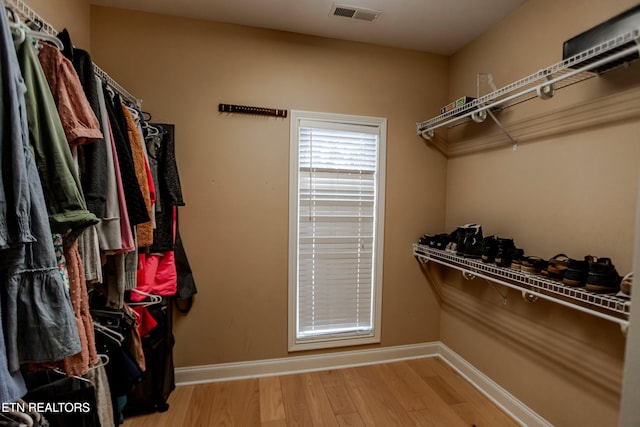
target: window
335 229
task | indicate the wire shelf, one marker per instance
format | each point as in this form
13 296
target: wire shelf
31 17
542 83
606 306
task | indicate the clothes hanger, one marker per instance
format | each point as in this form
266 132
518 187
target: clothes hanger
35 415
104 360
116 337
38 35
10 421
134 112
151 130
16 26
108 313
22 418
154 299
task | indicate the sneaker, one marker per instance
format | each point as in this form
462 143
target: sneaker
602 277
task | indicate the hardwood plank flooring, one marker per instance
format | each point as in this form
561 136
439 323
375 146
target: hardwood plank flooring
420 392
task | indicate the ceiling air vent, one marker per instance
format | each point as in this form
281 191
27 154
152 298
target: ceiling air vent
353 12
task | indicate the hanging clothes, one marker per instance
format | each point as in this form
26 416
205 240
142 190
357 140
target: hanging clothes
92 158
136 207
144 231
63 194
112 237
36 311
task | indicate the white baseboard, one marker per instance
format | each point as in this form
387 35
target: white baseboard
505 400
298 364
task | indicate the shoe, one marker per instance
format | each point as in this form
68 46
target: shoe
625 286
533 264
504 252
468 231
473 242
576 273
557 266
435 241
489 249
603 277
516 258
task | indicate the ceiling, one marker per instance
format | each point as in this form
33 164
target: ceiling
437 26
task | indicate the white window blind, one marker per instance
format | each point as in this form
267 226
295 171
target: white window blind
337 201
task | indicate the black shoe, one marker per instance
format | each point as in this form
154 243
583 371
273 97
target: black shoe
603 277
577 271
504 252
473 242
461 236
489 249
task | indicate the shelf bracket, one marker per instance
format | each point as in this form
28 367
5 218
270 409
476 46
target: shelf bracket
529 297
504 296
468 275
427 134
506 132
545 91
624 328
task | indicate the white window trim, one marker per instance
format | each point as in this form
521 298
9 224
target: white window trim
296 344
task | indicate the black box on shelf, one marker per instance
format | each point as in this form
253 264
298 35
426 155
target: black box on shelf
625 22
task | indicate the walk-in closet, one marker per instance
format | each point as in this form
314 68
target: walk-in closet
374 212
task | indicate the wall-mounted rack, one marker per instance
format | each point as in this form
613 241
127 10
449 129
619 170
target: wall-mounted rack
541 84
532 286
30 15
246 109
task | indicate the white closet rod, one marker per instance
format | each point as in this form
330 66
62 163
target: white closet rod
27 13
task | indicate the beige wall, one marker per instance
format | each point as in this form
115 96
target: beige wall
572 190
234 168
74 15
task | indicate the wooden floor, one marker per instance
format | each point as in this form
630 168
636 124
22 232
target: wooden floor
421 392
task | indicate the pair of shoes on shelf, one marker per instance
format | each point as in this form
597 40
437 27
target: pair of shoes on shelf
507 253
489 249
469 241
603 277
436 241
593 273
577 271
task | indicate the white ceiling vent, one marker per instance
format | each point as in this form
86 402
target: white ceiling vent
353 12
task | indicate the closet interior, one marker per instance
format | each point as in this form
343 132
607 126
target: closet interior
91 201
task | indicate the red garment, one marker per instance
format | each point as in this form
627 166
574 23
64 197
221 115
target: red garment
152 185
156 275
146 322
